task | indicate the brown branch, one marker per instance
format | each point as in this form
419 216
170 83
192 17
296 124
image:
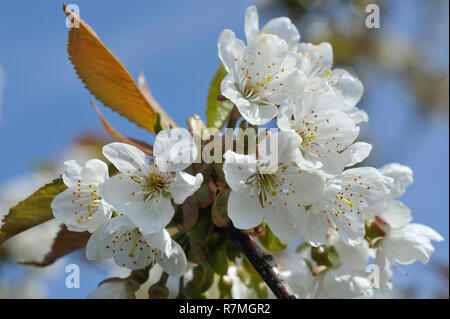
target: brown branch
263 263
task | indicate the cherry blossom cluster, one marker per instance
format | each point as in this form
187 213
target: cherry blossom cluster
139 197
346 215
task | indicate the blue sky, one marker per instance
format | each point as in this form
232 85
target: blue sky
175 42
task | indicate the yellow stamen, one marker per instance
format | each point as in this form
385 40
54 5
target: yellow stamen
329 72
345 200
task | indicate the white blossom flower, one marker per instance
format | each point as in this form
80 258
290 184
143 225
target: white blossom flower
346 279
341 204
281 27
394 238
327 132
81 206
402 176
388 209
260 76
402 243
143 190
270 191
350 279
120 239
315 63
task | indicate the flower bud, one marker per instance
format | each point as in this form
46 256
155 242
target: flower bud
158 291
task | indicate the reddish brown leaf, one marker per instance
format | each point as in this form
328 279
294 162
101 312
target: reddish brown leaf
66 242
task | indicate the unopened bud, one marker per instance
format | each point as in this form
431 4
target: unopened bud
319 255
158 291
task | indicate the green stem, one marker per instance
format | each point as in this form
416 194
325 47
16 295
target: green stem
163 279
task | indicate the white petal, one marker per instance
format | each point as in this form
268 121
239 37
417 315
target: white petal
231 52
95 171
119 223
176 263
280 147
237 168
118 191
127 158
348 85
352 257
229 90
316 227
349 226
391 211
244 212
386 274
160 240
308 186
256 114
96 247
357 115
102 215
174 150
151 216
185 185
320 55
285 113
369 182
357 152
251 23
282 222
340 283
126 197
285 29
402 175
77 213
411 243
130 250
72 173
334 163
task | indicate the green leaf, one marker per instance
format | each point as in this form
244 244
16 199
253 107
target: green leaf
308 264
186 214
202 229
218 108
202 280
157 125
233 251
252 279
225 285
217 245
270 242
219 212
206 193
32 211
333 257
302 247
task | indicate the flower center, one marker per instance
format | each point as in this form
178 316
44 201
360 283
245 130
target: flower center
306 139
86 196
154 184
266 184
157 184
